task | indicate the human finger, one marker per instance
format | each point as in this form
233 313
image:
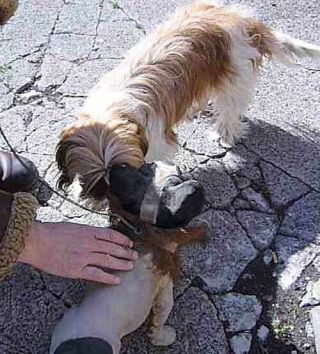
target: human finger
107 261
94 274
113 236
114 250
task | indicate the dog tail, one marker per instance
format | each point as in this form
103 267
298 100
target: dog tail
286 48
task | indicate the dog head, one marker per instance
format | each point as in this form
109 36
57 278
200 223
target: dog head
109 157
87 149
157 193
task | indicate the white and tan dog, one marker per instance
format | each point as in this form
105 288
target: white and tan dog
203 52
108 313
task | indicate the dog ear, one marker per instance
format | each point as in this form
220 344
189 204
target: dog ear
64 179
80 154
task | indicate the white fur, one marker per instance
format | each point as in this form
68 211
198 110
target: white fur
159 149
233 100
293 46
109 91
111 312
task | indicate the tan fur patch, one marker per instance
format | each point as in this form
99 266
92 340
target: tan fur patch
165 245
261 38
192 56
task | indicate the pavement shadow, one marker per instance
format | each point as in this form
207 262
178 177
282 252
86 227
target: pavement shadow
296 152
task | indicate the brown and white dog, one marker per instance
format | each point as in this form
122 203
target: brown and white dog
203 52
108 313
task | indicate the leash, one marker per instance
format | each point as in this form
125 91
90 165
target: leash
115 219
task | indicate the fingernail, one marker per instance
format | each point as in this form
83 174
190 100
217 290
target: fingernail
130 265
135 255
117 281
131 244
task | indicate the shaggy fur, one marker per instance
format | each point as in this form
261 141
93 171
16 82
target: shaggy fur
203 52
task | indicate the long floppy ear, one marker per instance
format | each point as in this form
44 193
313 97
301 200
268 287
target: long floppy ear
89 148
80 152
64 178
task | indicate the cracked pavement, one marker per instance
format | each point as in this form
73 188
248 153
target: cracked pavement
241 290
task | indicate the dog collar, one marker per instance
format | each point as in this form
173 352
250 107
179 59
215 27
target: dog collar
150 205
126 227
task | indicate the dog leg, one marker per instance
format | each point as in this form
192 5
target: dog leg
161 334
231 103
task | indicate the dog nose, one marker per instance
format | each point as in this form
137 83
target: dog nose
86 345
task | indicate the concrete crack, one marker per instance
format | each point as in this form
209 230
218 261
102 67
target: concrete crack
198 283
138 26
307 68
96 29
27 85
56 296
247 234
281 169
75 33
281 211
23 56
42 49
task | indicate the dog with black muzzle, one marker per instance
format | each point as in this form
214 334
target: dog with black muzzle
108 313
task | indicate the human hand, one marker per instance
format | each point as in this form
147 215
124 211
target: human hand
78 251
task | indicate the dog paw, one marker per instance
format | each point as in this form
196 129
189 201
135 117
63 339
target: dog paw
163 337
226 143
213 135
230 134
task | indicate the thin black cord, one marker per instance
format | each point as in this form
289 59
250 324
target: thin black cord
46 184
114 218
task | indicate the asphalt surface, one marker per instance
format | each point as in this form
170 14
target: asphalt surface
263 195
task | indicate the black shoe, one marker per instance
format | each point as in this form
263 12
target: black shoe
17 174
87 345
